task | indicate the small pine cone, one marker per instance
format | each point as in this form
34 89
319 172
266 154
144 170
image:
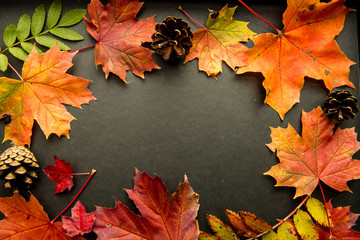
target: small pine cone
18 167
340 105
172 39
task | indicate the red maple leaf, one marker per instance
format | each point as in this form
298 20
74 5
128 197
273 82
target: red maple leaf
61 173
80 221
119 36
305 47
28 221
342 219
316 155
164 216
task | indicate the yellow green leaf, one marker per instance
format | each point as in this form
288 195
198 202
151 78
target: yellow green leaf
222 231
318 211
304 226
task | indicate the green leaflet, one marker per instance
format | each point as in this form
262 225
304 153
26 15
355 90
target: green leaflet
23 27
67 34
48 42
3 62
28 47
317 211
9 36
53 14
72 17
18 53
304 226
270 236
38 20
287 231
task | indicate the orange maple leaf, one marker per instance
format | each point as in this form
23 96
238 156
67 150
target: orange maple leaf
220 41
317 155
28 220
119 36
40 96
305 47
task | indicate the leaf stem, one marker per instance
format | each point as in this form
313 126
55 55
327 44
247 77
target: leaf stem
248 8
83 48
286 218
183 11
87 181
78 174
15 71
326 209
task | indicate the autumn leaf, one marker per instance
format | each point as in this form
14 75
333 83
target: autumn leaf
119 36
28 220
342 220
163 216
61 173
40 96
305 47
220 41
247 224
221 230
316 155
80 222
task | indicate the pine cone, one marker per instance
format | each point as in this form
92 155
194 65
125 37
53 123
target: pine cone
340 105
172 39
18 166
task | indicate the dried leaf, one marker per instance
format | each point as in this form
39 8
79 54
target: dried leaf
316 155
61 173
119 36
220 41
163 216
28 220
247 224
221 230
305 47
80 222
40 96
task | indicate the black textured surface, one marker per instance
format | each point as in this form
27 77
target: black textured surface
179 121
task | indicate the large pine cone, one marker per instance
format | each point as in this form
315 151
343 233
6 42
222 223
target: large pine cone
172 39
18 166
340 105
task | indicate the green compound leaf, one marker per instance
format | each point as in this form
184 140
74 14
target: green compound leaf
18 53
47 41
317 211
23 27
3 62
28 47
222 231
9 36
53 14
38 20
67 34
72 17
304 226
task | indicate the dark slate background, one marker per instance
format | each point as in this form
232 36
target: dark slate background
179 121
